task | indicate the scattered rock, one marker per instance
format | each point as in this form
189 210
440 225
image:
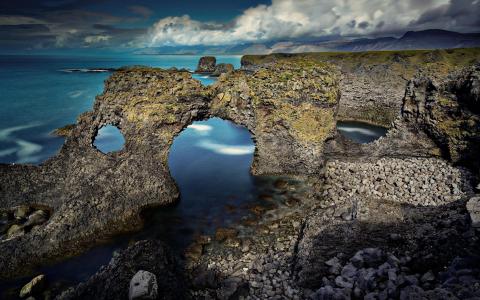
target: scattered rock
34 287
143 286
473 207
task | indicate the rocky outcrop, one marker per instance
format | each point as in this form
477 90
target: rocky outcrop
113 280
373 83
206 64
447 110
222 68
288 108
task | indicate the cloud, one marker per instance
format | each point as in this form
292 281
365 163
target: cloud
293 19
95 39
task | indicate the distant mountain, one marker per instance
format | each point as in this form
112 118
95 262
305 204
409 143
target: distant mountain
425 39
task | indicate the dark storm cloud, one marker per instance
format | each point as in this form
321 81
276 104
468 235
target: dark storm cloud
131 23
69 23
461 14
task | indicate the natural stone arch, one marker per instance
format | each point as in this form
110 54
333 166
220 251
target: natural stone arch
289 109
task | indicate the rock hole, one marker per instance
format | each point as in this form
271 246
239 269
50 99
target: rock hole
109 139
210 162
361 132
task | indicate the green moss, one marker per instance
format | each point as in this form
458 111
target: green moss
405 63
64 131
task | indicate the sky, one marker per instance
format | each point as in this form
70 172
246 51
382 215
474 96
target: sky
35 25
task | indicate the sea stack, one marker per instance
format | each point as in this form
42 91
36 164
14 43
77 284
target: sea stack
206 64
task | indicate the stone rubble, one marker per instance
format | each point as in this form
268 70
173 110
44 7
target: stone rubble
417 181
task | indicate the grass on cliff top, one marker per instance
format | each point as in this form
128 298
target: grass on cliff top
442 60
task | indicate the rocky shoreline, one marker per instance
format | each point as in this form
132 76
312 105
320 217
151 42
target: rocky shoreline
385 220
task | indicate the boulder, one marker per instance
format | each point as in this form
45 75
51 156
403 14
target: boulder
206 64
15 230
143 286
35 286
473 207
115 280
38 217
21 212
223 68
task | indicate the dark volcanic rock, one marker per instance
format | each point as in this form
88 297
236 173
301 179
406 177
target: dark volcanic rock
288 108
113 281
447 110
222 68
206 64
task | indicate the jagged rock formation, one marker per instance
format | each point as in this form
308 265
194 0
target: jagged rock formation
206 64
222 68
373 83
289 108
448 111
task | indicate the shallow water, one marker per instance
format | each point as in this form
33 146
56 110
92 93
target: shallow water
361 132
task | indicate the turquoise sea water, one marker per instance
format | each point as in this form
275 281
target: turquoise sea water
41 93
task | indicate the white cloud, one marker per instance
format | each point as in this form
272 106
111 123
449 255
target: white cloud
286 19
95 39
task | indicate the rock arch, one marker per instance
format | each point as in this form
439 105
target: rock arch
289 109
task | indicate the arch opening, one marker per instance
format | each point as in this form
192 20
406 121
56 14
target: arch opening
210 162
361 132
109 139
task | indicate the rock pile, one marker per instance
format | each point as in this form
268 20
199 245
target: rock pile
373 274
417 181
20 220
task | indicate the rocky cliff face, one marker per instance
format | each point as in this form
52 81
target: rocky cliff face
206 64
289 108
448 111
373 83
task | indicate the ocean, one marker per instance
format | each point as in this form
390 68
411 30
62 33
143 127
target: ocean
41 93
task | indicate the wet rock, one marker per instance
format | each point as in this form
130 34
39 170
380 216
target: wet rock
473 207
143 286
194 251
4 217
34 287
15 231
38 217
225 233
206 64
22 212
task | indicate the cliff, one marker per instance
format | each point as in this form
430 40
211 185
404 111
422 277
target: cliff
373 83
